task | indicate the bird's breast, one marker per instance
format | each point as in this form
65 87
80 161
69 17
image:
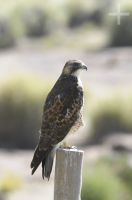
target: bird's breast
79 82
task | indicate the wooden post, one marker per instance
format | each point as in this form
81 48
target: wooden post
68 174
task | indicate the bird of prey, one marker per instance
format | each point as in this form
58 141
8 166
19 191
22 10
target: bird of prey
61 114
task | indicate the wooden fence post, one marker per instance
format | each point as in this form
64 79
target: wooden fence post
68 174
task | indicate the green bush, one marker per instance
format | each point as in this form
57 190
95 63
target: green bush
120 167
80 16
101 184
122 35
35 22
10 182
125 173
80 13
26 18
6 34
21 102
109 115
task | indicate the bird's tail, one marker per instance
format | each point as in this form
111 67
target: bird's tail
46 157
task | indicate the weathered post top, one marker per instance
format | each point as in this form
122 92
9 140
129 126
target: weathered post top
68 174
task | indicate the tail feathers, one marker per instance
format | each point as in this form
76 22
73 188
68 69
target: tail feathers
46 157
47 164
38 157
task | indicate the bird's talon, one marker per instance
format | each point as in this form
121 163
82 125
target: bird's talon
65 146
73 147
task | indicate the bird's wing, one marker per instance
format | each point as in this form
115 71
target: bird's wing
60 113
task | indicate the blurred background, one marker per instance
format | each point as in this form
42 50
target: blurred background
37 37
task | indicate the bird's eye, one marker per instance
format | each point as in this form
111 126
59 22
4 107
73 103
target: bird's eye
76 65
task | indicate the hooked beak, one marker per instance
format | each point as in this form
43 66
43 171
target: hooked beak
84 67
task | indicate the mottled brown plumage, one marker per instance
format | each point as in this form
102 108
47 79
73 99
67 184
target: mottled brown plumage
60 114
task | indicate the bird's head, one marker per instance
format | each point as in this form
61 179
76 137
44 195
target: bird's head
73 67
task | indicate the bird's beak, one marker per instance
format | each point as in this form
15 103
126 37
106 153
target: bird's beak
84 67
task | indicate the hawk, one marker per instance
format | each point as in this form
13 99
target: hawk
61 114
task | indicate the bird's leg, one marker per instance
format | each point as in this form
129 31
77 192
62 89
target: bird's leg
65 145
